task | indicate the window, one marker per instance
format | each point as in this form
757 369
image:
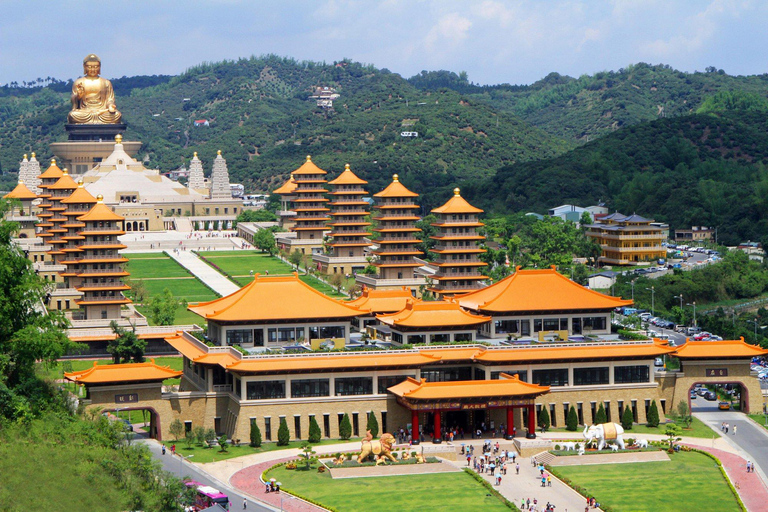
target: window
309 387
663 406
327 425
354 386
621 409
552 415
580 412
383 421
565 411
387 381
607 405
187 427
593 410
340 417
537 325
631 374
268 428
328 331
297 426
217 425
355 424
447 374
417 338
554 377
595 323
522 375
647 407
551 324
590 376
440 338
239 336
265 390
634 410
284 334
479 374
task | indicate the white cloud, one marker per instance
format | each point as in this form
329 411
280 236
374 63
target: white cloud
449 30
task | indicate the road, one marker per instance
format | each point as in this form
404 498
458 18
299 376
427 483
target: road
174 465
752 440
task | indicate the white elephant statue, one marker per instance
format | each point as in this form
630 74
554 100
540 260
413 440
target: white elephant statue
605 433
641 443
568 446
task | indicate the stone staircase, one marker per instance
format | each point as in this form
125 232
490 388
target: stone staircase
183 224
545 458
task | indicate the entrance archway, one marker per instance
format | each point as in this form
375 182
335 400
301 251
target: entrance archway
743 393
152 428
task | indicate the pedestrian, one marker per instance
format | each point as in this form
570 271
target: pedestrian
514 456
245 504
517 469
726 428
173 449
522 503
748 463
163 449
543 481
549 480
734 430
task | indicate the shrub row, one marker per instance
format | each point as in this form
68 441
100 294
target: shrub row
722 472
496 494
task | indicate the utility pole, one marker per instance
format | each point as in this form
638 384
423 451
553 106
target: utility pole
653 299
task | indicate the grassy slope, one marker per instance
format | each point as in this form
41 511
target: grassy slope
444 491
690 481
213 454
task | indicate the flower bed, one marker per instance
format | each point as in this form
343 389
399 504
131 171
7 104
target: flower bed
354 464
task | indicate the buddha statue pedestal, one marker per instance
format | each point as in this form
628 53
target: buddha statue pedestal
94 132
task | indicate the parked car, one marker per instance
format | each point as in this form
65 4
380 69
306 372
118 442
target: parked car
693 330
724 406
710 395
680 328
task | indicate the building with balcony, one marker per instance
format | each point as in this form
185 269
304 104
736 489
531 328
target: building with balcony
396 239
349 227
310 206
23 212
627 240
286 191
695 234
457 251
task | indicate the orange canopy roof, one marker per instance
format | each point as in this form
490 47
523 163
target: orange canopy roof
52 172
64 183
506 385
21 192
287 188
396 189
132 372
569 352
309 168
457 204
718 349
80 196
334 363
436 314
274 298
382 301
347 178
537 290
100 212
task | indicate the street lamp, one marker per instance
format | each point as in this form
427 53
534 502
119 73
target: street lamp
632 284
681 300
694 311
181 463
653 300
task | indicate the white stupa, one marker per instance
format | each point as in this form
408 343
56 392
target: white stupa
220 188
196 177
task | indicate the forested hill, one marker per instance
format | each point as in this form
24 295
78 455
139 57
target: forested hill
585 108
703 169
262 118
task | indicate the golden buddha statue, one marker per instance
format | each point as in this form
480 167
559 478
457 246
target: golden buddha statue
93 99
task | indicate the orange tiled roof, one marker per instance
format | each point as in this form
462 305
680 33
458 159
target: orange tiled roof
52 172
347 178
340 362
437 314
100 212
537 290
457 204
64 183
287 188
382 301
79 196
134 372
506 385
396 189
309 168
21 192
718 349
274 298
574 352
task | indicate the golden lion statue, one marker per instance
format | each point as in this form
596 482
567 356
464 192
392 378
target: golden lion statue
378 449
340 460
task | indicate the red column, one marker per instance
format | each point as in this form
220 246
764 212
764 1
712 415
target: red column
415 426
510 421
437 424
531 420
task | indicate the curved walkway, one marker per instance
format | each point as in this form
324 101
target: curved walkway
204 272
248 482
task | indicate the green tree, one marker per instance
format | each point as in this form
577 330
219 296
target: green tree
600 416
627 419
255 435
543 420
673 433
427 231
295 258
264 239
256 216
283 434
653 415
345 427
162 308
223 443
199 433
682 414
126 346
176 428
336 280
307 452
373 424
314 430
572 420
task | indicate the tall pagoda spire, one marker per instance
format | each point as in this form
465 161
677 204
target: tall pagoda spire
28 173
220 179
348 215
196 177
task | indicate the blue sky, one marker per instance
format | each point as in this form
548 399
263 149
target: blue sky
494 41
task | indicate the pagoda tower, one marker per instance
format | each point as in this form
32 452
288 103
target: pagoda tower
220 188
196 176
457 248
58 191
287 195
48 178
28 173
349 226
396 239
310 207
23 214
98 270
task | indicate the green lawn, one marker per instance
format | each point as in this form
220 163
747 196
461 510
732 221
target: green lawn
698 429
213 454
443 491
144 255
690 481
162 266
